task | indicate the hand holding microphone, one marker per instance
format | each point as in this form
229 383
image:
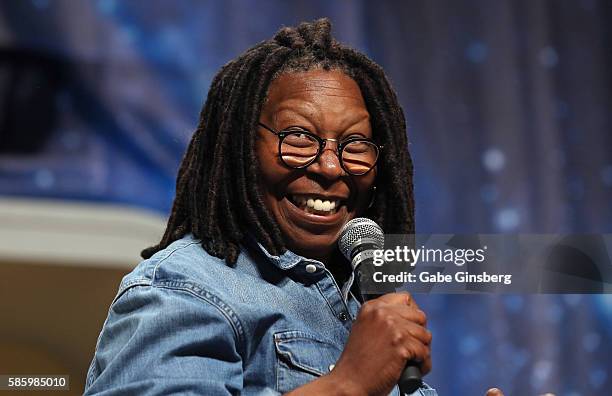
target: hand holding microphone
388 332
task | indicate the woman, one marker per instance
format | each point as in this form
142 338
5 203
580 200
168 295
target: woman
246 292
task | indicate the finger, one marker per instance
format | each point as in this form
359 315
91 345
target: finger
401 298
413 350
409 313
494 392
426 366
411 330
420 333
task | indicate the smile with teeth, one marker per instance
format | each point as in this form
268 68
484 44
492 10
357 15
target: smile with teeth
316 205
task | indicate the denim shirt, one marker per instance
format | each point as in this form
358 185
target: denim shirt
184 322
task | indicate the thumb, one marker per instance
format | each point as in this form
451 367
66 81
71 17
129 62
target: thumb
494 392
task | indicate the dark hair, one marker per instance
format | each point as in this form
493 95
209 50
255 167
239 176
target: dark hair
218 198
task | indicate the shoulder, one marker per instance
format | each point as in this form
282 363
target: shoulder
184 264
149 322
184 270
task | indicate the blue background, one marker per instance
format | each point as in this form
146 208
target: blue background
509 112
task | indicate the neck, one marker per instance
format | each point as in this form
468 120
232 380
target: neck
338 266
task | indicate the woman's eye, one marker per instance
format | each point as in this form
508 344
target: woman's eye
299 134
300 140
355 136
357 147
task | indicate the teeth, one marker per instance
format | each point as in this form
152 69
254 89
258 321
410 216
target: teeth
310 204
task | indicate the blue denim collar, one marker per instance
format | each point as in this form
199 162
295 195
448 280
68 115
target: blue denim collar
289 260
284 261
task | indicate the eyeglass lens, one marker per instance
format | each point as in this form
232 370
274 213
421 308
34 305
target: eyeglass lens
300 149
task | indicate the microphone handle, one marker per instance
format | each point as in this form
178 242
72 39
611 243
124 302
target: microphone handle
411 378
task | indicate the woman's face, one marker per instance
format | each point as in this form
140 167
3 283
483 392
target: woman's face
330 105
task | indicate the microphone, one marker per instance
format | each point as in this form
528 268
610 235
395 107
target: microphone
358 240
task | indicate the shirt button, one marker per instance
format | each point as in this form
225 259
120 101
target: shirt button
343 316
331 367
310 268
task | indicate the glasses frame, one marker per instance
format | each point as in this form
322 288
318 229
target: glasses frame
322 142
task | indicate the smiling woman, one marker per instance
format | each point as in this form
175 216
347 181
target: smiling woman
246 291
330 104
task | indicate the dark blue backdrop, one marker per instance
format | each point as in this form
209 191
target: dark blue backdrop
508 105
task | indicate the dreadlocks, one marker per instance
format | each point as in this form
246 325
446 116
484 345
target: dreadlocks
218 197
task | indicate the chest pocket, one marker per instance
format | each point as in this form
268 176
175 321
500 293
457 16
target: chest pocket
301 358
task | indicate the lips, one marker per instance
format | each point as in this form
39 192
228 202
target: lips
316 204
312 220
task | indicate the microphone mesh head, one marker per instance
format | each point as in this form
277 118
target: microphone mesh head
356 230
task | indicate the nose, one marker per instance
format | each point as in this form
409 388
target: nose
328 163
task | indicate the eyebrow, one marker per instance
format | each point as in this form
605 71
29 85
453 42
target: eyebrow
350 135
303 113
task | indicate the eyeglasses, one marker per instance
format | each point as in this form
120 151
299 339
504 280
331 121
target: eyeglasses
298 148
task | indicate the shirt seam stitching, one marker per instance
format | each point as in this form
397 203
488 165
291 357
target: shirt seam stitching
213 300
162 259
